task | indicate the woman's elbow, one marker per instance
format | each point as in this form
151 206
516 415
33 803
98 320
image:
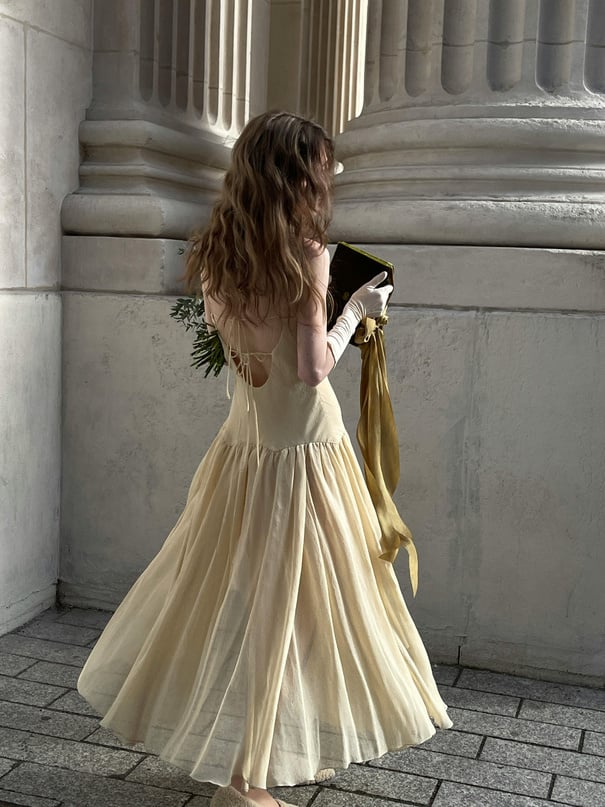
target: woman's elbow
311 376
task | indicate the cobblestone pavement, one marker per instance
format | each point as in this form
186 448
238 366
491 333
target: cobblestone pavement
516 742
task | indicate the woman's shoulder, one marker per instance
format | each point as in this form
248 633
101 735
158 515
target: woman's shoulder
314 249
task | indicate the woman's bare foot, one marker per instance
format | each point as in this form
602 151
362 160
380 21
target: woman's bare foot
262 797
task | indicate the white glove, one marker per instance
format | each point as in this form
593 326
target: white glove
367 301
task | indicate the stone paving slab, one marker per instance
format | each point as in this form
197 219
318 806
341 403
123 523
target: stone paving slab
11 797
48 615
451 741
86 618
594 743
388 784
565 694
300 795
73 702
6 765
87 789
590 719
539 758
332 798
45 721
468 771
456 795
43 650
31 692
155 771
13 665
196 801
576 792
514 728
481 701
24 746
446 674
64 675
104 736
58 631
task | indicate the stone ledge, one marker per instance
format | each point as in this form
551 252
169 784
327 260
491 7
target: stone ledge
122 264
506 278
564 665
131 215
85 595
15 614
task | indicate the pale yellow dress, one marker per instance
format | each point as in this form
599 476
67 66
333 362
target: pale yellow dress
266 637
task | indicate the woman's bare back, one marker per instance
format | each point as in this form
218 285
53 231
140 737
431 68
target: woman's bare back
251 341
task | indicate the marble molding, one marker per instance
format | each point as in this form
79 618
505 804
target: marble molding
316 59
141 178
482 124
173 85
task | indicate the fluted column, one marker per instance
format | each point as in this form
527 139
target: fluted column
316 59
174 82
332 76
483 122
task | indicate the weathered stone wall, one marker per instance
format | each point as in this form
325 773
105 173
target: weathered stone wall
45 62
497 367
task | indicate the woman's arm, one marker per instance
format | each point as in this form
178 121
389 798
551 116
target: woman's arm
319 351
315 359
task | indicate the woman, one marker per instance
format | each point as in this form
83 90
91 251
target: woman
267 641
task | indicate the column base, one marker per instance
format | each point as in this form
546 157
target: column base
533 181
142 179
376 219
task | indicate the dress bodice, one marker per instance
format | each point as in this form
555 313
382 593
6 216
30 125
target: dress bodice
283 411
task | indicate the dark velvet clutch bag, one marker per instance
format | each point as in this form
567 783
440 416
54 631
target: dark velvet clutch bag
350 268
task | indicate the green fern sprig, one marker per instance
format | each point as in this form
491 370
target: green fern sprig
207 346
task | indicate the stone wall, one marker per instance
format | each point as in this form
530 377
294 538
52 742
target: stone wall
137 418
497 369
45 62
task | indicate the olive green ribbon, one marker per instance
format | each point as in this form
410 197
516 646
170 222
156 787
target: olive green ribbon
379 443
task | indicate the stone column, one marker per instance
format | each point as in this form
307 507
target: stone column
317 59
332 78
174 81
483 123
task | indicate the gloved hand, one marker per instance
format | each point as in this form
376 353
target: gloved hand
367 301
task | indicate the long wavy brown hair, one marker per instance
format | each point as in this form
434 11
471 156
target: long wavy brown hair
275 202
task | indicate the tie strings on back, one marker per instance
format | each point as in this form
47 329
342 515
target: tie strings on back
237 352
